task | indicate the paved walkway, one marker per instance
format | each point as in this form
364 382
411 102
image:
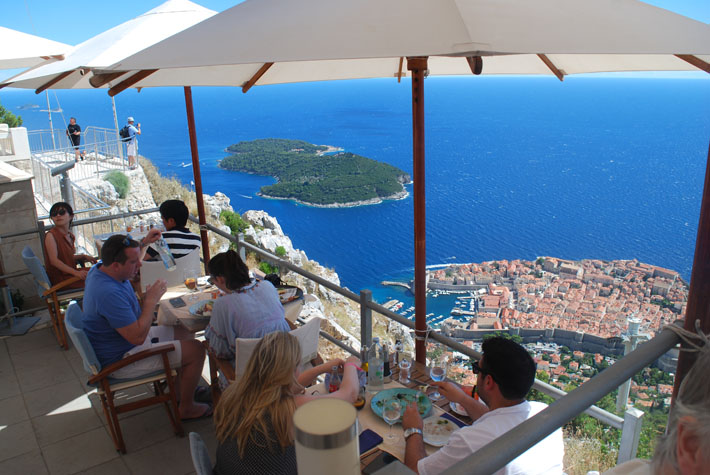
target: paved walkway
51 422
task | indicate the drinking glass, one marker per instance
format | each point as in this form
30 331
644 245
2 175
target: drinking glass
391 414
437 373
405 362
190 277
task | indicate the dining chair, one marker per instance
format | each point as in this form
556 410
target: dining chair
231 370
52 295
109 388
154 270
200 455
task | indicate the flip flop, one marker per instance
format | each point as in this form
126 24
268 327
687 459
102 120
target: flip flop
203 394
206 414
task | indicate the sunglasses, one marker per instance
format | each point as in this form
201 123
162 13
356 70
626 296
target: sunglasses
59 212
476 368
126 243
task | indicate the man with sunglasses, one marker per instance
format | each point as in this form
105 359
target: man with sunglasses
506 373
117 326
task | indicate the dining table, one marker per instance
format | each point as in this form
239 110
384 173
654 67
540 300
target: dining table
368 419
171 314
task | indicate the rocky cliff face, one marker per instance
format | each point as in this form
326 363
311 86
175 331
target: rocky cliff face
341 316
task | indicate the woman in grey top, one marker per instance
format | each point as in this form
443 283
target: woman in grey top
249 308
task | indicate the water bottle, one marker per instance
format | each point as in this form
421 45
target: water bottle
334 383
165 254
376 367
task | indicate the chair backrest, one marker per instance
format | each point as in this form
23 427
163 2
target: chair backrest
75 328
306 334
37 268
200 455
154 270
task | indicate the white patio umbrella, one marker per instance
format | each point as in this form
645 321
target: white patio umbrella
109 47
21 50
280 41
112 46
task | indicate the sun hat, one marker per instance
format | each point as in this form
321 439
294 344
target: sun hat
130 119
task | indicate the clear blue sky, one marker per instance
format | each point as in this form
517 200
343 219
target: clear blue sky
78 20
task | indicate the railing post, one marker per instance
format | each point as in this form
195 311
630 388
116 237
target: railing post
240 248
630 434
365 321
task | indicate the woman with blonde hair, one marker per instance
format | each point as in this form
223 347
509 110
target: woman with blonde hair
254 417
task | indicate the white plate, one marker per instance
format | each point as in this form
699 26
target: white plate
458 409
197 309
437 430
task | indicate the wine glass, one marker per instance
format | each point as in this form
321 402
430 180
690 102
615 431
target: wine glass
391 414
405 362
437 373
190 277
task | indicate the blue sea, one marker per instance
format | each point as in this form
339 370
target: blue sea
607 168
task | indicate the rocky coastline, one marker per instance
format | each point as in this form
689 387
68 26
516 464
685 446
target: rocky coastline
400 195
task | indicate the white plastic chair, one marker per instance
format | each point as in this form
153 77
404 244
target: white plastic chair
200 455
154 270
306 334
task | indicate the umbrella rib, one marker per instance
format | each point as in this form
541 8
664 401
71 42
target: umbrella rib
98 80
695 61
560 75
399 72
475 63
53 81
126 83
262 70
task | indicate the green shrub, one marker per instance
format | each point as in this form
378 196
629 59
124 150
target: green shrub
234 221
119 181
280 251
267 268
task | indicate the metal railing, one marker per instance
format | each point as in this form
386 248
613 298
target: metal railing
102 147
507 447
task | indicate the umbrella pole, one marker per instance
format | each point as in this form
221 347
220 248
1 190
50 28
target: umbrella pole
418 66
698 307
196 173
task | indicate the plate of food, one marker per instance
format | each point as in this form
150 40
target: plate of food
458 408
202 309
437 430
404 396
286 294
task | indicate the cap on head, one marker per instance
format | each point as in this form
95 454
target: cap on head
130 119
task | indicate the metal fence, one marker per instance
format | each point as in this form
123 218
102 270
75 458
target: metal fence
102 148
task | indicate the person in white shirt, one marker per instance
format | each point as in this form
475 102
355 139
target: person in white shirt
506 373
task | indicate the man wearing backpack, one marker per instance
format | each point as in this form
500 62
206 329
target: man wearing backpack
132 145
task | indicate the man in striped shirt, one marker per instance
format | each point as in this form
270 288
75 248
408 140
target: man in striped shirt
180 239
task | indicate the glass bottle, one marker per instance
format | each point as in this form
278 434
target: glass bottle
386 372
375 363
334 383
165 254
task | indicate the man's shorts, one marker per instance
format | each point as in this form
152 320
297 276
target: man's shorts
132 148
157 336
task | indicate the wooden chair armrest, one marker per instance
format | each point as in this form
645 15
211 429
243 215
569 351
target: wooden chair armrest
130 359
60 286
222 364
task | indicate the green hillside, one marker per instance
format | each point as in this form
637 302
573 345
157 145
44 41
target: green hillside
305 176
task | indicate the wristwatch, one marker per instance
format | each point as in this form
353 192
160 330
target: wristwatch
411 431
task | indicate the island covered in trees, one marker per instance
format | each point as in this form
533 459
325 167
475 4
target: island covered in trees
316 175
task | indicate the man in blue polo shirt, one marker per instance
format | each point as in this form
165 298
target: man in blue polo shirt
117 326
